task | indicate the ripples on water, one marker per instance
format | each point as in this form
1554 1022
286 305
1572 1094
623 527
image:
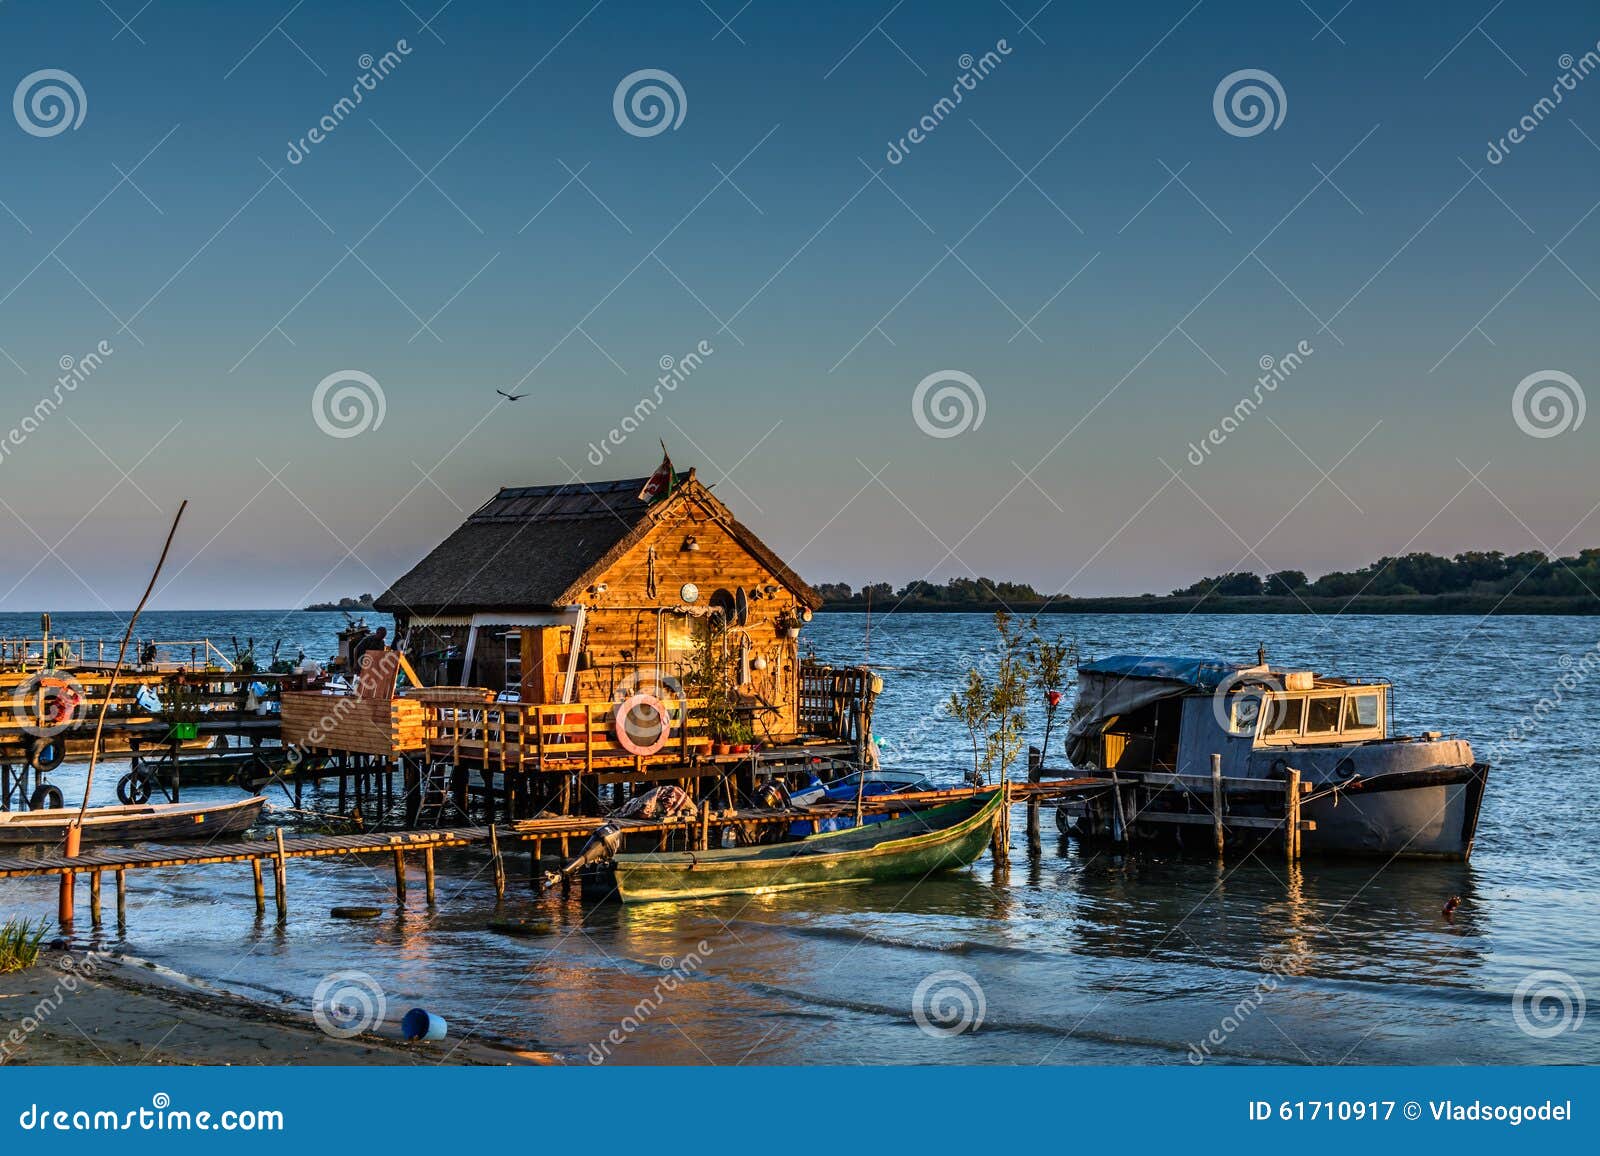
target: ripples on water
1081 957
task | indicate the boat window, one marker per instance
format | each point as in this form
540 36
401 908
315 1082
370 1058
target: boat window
1323 715
1286 715
1361 712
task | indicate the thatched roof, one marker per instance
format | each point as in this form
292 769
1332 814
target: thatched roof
531 547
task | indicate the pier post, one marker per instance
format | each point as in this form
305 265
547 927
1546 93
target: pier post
94 898
400 876
1035 773
1216 802
427 872
1119 826
261 892
1291 815
66 897
499 863
280 877
122 898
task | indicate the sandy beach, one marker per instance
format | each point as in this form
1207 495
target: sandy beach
70 1009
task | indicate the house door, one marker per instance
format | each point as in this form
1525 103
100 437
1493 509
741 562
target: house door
543 674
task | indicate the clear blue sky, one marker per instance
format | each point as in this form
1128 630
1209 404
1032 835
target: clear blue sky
482 221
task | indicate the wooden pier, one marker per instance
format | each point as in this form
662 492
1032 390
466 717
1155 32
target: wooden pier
558 835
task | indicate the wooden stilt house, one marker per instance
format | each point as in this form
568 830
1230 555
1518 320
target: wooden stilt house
581 592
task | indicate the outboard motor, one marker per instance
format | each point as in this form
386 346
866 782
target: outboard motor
771 796
602 845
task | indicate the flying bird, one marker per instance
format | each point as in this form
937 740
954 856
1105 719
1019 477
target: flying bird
511 396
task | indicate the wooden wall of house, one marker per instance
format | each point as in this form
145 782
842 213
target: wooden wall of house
630 629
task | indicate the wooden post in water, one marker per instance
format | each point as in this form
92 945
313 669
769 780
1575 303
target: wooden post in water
94 898
261 894
499 863
1291 816
1216 802
280 876
122 898
1035 773
427 872
1119 826
400 877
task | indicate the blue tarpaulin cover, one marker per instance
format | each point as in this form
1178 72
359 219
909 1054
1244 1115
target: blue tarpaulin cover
1201 673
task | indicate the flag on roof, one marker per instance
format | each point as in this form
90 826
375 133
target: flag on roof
660 483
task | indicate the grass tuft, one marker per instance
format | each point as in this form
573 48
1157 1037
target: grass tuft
19 943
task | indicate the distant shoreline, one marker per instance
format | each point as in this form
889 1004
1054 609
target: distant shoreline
1475 604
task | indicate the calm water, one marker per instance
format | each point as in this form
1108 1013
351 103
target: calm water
1077 958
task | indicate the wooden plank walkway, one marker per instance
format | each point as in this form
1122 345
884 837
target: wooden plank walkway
556 827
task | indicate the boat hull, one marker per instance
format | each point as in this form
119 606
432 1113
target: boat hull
914 846
161 822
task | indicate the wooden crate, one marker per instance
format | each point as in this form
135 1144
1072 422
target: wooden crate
312 720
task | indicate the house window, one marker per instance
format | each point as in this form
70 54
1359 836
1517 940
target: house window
681 635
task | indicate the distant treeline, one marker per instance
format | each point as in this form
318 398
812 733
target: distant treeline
1472 582
362 602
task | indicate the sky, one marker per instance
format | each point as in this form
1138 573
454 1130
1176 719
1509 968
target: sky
991 336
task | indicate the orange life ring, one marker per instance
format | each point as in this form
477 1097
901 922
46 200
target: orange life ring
626 739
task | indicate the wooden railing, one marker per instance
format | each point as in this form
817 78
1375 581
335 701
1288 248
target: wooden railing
576 736
834 700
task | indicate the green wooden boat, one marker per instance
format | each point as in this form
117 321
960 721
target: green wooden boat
913 846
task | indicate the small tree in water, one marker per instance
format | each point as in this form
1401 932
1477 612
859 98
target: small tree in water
1051 660
996 709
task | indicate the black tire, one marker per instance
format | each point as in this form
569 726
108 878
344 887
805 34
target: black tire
45 798
47 754
1063 821
133 789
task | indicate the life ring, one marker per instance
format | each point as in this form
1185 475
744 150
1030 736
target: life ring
627 739
133 789
46 798
46 754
